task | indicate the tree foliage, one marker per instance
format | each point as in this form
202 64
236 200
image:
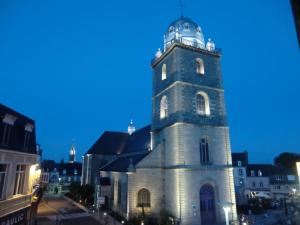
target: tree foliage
83 193
288 160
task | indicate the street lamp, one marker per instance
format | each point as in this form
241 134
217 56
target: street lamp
227 208
226 211
294 190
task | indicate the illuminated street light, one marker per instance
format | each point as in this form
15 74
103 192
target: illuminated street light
227 208
226 211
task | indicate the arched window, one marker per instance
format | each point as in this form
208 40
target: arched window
199 66
202 104
171 29
207 204
204 152
252 173
164 72
143 198
186 26
163 107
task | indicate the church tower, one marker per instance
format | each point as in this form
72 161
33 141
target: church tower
131 128
189 118
72 153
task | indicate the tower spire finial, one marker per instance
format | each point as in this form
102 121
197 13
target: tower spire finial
181 8
72 152
131 127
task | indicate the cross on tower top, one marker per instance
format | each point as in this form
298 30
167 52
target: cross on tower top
181 7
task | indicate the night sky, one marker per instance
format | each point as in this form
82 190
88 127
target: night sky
79 68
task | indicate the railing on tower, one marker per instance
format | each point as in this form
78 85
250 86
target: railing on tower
184 41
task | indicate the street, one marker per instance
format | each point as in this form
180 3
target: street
56 210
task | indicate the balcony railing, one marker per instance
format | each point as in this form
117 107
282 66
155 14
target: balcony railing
13 204
184 41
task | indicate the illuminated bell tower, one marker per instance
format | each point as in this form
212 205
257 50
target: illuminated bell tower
131 128
189 118
72 154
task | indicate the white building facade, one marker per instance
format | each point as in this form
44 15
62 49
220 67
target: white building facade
19 168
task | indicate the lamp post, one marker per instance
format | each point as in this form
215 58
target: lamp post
226 211
227 208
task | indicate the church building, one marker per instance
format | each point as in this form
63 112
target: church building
179 166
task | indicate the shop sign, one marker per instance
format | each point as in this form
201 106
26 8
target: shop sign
16 218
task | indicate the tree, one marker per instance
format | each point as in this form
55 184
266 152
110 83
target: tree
288 160
83 193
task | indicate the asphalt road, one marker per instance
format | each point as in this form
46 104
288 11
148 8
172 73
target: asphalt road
58 211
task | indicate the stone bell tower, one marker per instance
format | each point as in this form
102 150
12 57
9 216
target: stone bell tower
189 117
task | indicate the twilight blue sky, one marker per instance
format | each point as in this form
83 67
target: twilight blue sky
81 67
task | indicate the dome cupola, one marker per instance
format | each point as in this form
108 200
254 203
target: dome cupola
185 31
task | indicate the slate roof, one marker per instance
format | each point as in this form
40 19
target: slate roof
110 143
128 148
116 143
122 163
17 133
4 110
266 169
138 141
240 156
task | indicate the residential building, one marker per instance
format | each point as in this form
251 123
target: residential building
283 182
58 176
240 162
19 168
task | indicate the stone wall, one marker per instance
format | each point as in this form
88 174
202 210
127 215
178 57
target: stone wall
153 181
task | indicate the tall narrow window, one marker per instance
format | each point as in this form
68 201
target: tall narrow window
26 140
241 173
164 72
199 66
204 152
119 192
20 179
6 133
163 107
28 130
8 121
202 104
3 171
143 198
